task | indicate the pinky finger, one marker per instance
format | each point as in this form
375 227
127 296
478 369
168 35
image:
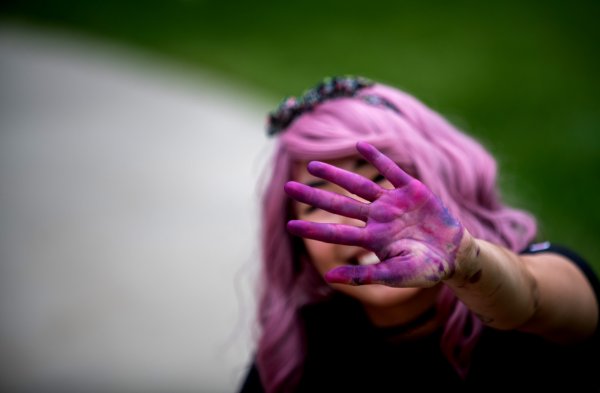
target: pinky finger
396 274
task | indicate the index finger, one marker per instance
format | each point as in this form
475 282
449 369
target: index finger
388 168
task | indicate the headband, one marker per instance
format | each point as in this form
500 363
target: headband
339 86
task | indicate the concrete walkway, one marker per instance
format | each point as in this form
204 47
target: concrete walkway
128 220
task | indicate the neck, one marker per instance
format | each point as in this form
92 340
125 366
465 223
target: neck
416 316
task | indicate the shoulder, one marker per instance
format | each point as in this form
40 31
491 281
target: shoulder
560 253
568 282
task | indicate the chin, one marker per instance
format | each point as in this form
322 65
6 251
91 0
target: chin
376 295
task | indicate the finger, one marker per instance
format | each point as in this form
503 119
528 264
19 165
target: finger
356 184
384 164
328 201
396 274
330 233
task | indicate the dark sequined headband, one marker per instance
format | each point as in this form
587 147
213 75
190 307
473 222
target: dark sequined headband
340 86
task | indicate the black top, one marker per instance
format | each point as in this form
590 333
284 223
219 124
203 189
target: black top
347 353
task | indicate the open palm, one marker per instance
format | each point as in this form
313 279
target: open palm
408 228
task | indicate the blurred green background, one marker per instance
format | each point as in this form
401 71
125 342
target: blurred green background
521 76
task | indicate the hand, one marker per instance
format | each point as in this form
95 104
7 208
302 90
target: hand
408 228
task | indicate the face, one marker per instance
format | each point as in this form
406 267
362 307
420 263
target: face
326 256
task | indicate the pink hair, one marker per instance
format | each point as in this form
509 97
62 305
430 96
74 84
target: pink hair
453 165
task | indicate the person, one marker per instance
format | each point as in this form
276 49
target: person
390 261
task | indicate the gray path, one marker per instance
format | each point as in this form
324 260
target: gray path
128 220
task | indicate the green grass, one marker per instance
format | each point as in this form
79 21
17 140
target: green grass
521 76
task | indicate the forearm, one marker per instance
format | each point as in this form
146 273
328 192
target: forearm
494 283
543 294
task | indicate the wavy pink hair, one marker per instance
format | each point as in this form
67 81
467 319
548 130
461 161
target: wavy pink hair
453 165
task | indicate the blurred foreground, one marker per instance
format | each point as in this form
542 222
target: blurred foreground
128 234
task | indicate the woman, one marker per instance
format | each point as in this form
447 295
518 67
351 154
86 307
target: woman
400 267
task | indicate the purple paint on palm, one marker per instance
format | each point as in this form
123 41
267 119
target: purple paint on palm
409 229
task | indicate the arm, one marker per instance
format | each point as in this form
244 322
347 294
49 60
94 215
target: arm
420 244
544 294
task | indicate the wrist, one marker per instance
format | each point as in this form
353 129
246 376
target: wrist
466 263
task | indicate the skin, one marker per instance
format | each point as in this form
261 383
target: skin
421 245
407 227
385 305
